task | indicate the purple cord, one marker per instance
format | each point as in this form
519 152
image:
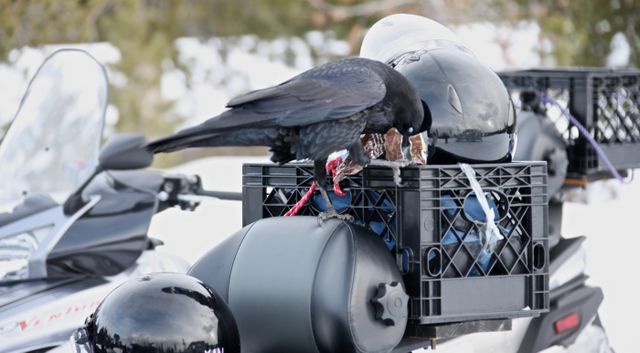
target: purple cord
548 100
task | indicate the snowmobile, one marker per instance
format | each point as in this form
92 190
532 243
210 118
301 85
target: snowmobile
74 219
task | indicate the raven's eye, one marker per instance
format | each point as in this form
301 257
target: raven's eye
410 130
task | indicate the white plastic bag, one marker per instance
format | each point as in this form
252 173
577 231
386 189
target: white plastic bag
490 234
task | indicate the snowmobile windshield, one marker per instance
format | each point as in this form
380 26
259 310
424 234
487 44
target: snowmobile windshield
53 142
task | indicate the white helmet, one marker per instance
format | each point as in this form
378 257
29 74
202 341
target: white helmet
469 115
401 33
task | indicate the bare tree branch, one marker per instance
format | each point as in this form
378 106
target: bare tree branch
634 41
95 15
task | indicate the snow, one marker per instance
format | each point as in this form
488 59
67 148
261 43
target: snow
613 243
620 51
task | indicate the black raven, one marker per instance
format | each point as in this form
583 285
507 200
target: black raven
312 115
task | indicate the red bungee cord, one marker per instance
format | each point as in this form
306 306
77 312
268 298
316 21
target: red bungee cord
332 165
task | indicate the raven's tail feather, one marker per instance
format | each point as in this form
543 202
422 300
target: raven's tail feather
178 142
234 127
193 138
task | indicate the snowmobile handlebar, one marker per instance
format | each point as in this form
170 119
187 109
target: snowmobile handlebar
222 195
195 187
186 191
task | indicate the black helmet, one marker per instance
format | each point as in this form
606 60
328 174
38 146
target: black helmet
162 312
472 117
469 116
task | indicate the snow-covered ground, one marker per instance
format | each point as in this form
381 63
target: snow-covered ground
612 243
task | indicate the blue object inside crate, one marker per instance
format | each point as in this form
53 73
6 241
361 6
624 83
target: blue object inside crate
386 230
472 239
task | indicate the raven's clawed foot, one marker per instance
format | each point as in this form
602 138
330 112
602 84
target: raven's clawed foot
331 211
394 165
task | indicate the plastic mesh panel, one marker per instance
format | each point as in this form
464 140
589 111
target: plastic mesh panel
606 102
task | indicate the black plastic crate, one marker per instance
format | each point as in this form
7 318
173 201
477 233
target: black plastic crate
605 102
426 226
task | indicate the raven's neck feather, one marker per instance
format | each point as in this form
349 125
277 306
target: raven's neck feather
379 120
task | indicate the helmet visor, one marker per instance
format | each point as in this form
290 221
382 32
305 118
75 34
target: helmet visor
80 342
488 148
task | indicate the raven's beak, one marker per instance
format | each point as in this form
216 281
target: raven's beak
406 147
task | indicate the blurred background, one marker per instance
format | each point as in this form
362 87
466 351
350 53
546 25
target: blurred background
175 63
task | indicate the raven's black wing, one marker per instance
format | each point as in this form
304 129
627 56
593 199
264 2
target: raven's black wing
331 91
327 93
